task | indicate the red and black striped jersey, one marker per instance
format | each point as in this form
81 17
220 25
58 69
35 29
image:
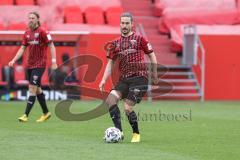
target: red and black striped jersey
129 51
37 41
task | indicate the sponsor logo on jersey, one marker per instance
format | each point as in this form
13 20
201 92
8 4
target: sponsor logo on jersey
35 79
133 42
36 35
34 42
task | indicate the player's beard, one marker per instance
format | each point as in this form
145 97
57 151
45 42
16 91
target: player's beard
125 31
32 25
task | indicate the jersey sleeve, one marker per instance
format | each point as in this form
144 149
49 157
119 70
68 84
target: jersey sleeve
146 46
47 38
111 50
24 40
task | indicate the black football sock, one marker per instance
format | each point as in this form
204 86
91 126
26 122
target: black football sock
30 103
42 102
116 117
132 118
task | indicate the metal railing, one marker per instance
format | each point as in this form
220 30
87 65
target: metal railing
191 44
202 67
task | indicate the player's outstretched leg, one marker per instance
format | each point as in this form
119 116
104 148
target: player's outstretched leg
30 103
133 121
41 99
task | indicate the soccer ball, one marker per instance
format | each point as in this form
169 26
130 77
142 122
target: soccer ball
112 135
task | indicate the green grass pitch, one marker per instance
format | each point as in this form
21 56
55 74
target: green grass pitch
176 130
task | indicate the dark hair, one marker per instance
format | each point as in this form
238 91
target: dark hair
127 14
37 15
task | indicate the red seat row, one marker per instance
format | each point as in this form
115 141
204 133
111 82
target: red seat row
162 5
93 15
61 4
200 16
17 2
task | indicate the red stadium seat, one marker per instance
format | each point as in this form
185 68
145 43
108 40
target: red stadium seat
175 17
25 2
6 2
73 14
16 14
19 75
176 38
162 5
113 15
94 15
17 26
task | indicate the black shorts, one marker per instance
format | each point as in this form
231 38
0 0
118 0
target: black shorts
133 88
35 76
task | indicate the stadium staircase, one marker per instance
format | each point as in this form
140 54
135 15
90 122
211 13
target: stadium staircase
178 82
183 84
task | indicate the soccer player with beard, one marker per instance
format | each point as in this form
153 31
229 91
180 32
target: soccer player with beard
129 50
37 39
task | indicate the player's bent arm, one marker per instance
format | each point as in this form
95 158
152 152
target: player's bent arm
53 54
153 61
107 73
18 55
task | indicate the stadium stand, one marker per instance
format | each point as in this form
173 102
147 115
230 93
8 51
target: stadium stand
60 4
112 13
172 18
25 2
94 15
6 2
162 5
73 14
176 38
20 13
58 12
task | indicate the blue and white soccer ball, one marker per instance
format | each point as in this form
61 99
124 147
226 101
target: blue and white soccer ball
112 135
